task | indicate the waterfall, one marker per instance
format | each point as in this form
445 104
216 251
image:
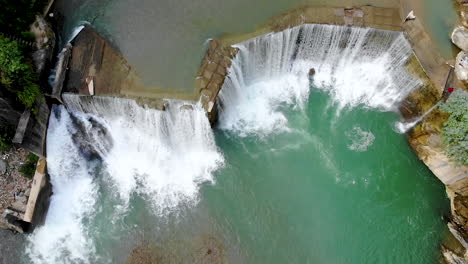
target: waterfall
403 127
162 157
356 66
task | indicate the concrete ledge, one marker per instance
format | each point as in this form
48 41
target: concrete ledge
211 75
62 66
432 62
31 131
365 16
40 193
97 68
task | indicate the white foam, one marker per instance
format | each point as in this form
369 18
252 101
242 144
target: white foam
161 156
360 140
63 238
356 66
403 127
256 109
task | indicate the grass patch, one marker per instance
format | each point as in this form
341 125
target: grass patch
29 168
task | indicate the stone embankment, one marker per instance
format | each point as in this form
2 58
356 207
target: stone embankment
426 139
210 77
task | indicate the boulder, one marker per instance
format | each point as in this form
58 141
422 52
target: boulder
460 37
461 66
45 44
464 18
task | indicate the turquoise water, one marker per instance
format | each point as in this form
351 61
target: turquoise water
166 40
306 197
440 18
339 187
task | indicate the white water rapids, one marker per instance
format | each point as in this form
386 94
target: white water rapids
161 156
356 66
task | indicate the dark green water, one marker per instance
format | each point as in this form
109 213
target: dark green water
306 197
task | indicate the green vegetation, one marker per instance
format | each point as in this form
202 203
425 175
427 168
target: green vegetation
455 130
17 73
6 133
18 79
29 168
17 15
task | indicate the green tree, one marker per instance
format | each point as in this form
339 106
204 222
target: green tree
17 15
29 167
455 130
17 74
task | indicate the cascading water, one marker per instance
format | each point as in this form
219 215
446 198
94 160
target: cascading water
403 127
162 157
357 66
319 172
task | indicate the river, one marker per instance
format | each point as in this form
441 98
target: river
297 170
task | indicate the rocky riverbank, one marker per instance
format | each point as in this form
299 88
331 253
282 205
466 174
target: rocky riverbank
426 138
14 187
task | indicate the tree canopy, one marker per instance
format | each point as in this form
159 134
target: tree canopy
17 74
455 130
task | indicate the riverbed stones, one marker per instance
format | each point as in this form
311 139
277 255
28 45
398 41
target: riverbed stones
14 187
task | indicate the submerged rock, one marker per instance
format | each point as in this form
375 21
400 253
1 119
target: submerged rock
461 66
92 137
460 37
204 249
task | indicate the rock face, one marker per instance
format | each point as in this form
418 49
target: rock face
461 66
460 37
45 44
9 116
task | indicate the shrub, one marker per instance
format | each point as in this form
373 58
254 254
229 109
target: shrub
29 168
17 73
17 15
6 133
455 130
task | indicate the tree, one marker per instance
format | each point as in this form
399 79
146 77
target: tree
455 130
17 74
17 15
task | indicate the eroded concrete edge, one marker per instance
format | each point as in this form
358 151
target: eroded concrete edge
37 205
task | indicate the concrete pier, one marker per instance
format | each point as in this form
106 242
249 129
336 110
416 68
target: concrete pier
38 201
